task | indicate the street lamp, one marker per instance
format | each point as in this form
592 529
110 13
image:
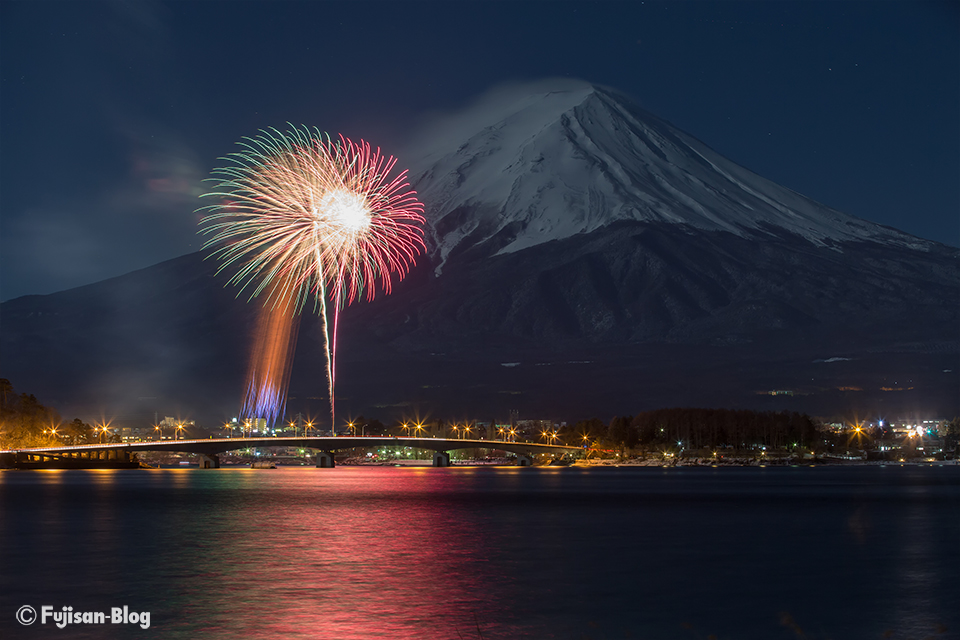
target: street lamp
456 430
179 430
419 428
466 431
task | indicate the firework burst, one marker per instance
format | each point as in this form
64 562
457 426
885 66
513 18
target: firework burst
302 217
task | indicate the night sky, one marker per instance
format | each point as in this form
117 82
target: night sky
111 114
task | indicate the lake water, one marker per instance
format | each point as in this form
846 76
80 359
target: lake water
384 552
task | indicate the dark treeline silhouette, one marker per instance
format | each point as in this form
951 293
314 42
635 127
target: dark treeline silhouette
24 422
703 429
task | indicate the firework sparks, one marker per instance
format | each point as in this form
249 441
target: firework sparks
303 217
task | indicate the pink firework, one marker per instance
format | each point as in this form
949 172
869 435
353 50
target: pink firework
302 216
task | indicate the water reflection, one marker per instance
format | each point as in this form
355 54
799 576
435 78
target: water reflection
522 553
340 554
917 569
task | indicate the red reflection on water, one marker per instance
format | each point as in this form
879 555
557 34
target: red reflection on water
346 553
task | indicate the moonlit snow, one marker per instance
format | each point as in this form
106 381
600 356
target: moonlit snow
545 161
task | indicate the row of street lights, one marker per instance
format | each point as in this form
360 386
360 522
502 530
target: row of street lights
549 436
507 435
415 429
180 428
100 429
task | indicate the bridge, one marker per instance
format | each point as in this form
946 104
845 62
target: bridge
123 455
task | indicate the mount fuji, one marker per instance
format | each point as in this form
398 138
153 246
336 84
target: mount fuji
584 258
549 161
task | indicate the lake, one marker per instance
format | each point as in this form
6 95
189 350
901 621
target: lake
504 552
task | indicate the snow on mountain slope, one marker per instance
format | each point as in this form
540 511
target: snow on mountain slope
549 160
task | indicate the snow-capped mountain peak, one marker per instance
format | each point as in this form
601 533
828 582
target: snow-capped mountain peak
541 162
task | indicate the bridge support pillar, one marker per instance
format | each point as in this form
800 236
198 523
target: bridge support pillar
325 460
441 459
524 460
209 462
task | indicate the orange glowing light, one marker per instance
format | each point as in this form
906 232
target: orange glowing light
271 361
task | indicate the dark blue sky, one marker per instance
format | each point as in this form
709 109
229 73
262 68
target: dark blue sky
112 113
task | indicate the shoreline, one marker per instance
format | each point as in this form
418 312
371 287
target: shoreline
744 462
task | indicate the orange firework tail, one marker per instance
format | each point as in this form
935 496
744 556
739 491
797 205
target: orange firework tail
271 361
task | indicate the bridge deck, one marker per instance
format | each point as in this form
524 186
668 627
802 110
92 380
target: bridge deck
213 446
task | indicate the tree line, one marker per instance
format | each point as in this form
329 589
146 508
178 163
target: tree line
701 429
24 422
